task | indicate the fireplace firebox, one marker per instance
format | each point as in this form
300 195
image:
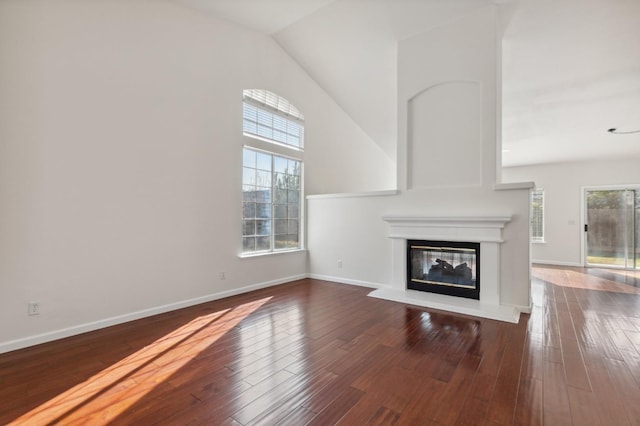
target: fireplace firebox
444 267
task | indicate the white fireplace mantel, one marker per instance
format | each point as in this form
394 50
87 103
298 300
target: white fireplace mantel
486 230
458 228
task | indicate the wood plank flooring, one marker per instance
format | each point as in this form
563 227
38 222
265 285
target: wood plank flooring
319 353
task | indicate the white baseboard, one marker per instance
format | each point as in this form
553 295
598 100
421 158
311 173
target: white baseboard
49 336
344 280
523 309
557 263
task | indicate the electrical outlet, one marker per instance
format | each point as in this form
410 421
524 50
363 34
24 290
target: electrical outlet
340 263
33 308
223 275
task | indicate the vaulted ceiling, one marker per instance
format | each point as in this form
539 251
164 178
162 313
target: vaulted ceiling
571 68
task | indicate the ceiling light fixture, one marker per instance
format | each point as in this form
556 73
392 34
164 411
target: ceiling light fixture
616 132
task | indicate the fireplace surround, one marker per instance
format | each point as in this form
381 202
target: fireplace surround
486 231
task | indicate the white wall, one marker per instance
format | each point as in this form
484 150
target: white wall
563 185
120 153
352 229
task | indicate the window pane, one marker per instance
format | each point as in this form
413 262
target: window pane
264 161
283 242
263 195
281 226
248 176
263 211
248 227
249 210
249 112
265 118
248 193
264 131
263 178
263 243
280 180
293 211
294 196
279 123
293 227
269 125
280 196
249 158
248 244
263 227
249 127
294 168
293 129
280 211
280 164
293 182
293 140
279 136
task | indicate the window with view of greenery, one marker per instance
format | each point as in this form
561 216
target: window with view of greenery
271 181
537 215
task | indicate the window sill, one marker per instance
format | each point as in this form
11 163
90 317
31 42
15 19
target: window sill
354 194
270 253
539 242
513 186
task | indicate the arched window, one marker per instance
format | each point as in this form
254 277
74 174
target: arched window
272 173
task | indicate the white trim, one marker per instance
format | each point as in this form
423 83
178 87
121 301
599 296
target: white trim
513 186
583 218
557 263
457 228
486 230
250 255
341 280
354 194
450 221
270 146
524 309
49 336
273 148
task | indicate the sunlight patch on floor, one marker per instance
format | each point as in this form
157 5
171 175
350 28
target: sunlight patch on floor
582 280
136 375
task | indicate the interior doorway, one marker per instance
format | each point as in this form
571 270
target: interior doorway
612 227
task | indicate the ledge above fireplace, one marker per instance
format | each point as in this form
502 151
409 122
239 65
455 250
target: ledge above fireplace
458 228
486 230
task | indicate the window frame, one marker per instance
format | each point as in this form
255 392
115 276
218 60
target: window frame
276 150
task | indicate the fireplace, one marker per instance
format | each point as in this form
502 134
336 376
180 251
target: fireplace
482 232
444 267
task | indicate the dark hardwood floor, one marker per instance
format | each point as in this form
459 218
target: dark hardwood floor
314 352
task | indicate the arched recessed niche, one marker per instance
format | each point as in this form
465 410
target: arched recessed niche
444 136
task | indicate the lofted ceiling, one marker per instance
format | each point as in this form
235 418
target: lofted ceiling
571 68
